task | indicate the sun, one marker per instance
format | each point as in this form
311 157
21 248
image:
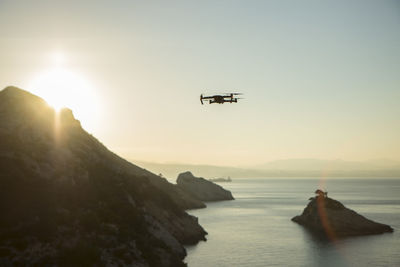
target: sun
61 87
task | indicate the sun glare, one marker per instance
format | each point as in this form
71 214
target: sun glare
62 87
58 58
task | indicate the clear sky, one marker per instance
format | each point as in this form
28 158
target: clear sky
321 78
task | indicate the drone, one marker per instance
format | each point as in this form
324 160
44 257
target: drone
220 99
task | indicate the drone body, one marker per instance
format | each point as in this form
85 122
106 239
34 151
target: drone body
220 99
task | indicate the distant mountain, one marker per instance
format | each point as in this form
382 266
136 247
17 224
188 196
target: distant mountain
321 165
285 168
65 199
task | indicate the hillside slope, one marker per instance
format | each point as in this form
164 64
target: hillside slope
65 199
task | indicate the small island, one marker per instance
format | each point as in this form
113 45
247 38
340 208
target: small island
330 218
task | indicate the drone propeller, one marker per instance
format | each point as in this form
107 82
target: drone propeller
233 93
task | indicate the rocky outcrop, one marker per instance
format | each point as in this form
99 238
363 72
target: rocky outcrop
65 199
330 218
201 188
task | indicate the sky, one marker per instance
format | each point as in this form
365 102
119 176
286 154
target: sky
320 78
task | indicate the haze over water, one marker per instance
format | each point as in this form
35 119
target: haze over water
256 230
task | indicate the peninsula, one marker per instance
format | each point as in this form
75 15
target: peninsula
202 189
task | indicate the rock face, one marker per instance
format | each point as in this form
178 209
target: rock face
65 199
330 218
201 188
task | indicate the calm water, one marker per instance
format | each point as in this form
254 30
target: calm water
256 230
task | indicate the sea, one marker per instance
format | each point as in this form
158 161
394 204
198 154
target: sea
256 229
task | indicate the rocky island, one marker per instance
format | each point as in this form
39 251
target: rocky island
330 218
66 200
201 188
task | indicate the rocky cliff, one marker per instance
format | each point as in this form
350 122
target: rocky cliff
201 188
65 199
330 218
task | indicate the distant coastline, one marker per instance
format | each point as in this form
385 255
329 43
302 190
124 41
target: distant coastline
221 180
302 169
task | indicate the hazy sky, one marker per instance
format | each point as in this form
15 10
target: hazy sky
321 78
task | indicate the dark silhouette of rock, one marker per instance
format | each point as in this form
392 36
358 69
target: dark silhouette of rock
65 199
201 188
330 218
